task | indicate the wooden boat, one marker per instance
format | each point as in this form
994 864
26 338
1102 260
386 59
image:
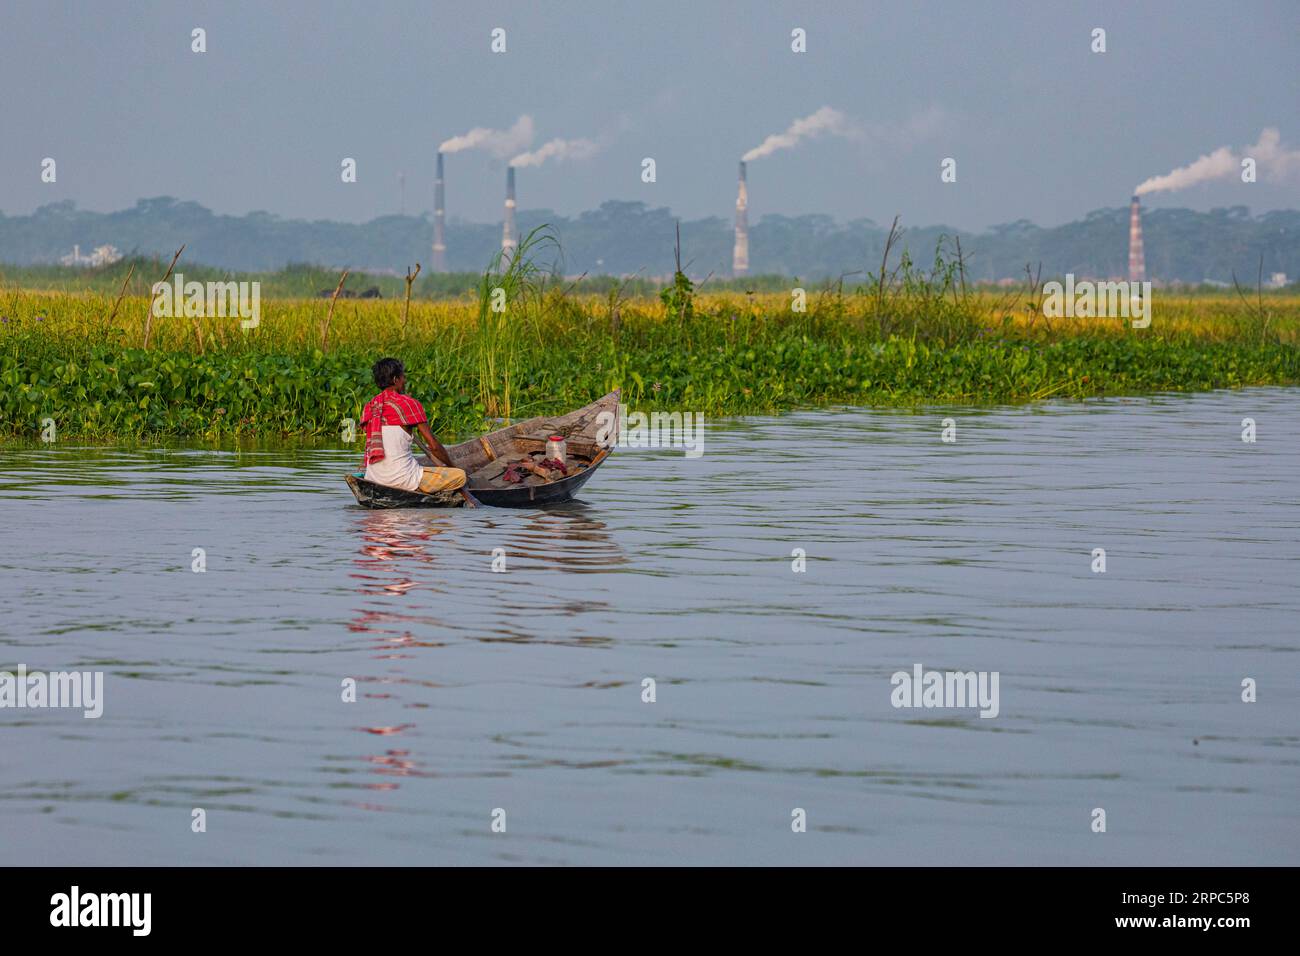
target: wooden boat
485 460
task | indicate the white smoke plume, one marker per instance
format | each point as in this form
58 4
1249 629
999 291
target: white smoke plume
499 142
1272 158
1219 164
557 149
1276 160
826 120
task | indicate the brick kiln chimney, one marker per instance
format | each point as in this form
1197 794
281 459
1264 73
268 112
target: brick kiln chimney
1137 263
439 225
740 254
509 237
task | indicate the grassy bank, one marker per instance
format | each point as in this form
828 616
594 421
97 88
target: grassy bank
138 273
303 371
302 281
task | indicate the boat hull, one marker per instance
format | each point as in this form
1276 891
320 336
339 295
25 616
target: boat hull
561 490
372 495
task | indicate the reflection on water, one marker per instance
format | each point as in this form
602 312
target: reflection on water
399 554
477 689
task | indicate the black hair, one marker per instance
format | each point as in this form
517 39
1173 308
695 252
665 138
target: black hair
387 370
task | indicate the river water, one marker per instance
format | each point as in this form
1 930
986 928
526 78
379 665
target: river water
517 696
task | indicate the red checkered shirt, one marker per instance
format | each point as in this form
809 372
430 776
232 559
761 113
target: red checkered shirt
387 408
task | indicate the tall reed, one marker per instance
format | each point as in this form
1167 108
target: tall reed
511 296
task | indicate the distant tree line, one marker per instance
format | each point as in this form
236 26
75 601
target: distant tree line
632 239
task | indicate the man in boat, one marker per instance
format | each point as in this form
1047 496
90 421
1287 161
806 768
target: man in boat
389 420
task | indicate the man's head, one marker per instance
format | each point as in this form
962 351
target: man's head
390 373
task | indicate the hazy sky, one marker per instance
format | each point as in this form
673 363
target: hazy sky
1040 126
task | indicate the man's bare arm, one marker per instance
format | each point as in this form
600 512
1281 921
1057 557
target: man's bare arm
434 447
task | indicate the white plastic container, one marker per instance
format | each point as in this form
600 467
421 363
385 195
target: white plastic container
557 449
